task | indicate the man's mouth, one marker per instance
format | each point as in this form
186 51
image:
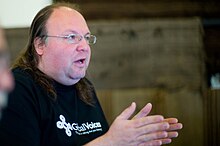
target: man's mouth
80 62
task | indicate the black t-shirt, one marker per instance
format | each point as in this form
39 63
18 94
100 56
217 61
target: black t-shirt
33 119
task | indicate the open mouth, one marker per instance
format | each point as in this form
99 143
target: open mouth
80 61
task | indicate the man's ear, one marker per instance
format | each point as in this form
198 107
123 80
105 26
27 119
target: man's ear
39 45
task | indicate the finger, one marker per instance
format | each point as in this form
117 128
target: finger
176 126
144 111
172 134
171 120
151 143
166 141
148 120
157 142
153 128
152 136
126 114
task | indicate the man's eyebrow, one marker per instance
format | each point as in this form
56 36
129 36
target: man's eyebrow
87 33
75 32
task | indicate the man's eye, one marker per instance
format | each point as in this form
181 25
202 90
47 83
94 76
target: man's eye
72 36
87 37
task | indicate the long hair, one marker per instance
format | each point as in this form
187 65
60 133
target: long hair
29 59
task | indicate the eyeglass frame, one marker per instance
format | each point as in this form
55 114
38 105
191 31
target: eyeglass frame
78 38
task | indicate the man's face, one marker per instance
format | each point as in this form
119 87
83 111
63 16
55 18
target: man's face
6 79
60 59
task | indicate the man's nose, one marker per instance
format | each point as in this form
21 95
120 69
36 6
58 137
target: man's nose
83 45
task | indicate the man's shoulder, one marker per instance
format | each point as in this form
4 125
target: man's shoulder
20 71
22 75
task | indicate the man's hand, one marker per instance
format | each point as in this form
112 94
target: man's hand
141 130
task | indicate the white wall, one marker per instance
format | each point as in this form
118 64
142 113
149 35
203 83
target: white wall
19 13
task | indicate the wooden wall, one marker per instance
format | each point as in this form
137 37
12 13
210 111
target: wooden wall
152 60
147 53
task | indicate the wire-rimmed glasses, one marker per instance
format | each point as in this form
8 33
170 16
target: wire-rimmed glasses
76 38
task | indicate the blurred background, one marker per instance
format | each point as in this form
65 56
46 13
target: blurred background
166 52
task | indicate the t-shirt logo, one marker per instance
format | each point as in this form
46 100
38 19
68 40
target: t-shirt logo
84 128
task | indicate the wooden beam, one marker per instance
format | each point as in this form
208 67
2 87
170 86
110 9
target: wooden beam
106 10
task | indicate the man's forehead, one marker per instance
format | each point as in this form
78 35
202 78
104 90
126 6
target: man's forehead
65 12
65 17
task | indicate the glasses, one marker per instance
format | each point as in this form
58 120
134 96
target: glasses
76 38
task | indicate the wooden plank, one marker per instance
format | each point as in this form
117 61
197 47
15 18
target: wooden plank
17 39
115 10
212 118
105 99
184 104
147 53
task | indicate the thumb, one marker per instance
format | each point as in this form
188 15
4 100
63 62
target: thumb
126 114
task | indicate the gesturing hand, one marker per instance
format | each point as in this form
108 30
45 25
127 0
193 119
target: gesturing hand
141 130
173 122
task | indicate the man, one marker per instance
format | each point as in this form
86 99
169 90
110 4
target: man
54 104
6 79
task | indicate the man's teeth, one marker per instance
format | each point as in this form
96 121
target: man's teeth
81 61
